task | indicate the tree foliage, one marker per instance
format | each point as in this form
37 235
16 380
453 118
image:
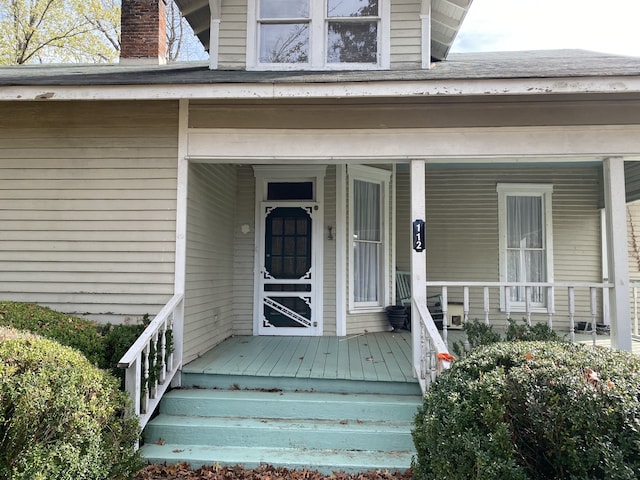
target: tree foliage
78 31
57 31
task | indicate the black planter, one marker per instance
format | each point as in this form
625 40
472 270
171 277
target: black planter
397 316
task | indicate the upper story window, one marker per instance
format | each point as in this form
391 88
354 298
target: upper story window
317 34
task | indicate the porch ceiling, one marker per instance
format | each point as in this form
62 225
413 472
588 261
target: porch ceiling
446 19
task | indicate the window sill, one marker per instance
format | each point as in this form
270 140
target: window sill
364 310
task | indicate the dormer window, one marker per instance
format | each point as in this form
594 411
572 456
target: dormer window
317 34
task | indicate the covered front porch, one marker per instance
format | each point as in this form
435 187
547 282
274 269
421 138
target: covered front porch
350 363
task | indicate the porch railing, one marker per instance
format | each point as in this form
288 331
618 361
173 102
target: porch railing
154 359
487 295
431 346
527 308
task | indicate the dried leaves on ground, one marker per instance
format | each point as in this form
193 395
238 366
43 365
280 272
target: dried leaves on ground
182 471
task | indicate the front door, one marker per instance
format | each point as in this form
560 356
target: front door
287 278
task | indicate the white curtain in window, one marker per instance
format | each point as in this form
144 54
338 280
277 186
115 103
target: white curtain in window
367 237
526 257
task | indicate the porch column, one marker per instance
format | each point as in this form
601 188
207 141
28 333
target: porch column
418 259
615 210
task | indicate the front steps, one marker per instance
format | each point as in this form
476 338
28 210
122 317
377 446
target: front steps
248 425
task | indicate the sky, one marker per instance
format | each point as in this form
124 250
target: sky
610 26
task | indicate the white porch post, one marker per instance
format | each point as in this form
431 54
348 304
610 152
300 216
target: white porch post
418 259
181 237
615 208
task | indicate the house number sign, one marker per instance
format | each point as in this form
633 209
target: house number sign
418 235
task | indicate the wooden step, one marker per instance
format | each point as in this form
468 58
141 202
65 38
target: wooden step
324 431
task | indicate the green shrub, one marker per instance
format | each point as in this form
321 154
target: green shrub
480 334
532 410
79 333
61 417
103 345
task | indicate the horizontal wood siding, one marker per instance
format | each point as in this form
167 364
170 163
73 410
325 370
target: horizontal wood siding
403 218
633 235
245 251
428 112
209 287
87 206
329 265
233 35
406 34
462 229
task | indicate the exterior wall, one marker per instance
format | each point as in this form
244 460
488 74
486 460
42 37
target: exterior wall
462 229
233 35
209 301
406 34
633 234
87 206
405 39
329 254
244 253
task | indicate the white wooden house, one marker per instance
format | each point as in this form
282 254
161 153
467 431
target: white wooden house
273 191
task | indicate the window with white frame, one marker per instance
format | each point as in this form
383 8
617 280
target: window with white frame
314 34
526 242
369 217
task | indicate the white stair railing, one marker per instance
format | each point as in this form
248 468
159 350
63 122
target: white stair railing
152 362
433 350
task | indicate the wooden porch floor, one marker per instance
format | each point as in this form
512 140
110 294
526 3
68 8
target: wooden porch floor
384 357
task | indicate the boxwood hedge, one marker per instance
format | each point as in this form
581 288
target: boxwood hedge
60 416
532 410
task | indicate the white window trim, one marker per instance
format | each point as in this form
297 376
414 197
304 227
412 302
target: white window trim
317 49
383 177
545 191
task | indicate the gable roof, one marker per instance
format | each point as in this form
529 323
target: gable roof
498 73
446 19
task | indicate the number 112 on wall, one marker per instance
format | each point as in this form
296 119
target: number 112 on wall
418 235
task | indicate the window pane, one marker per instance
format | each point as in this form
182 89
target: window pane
284 8
524 222
352 42
352 8
290 191
526 266
366 211
284 43
366 272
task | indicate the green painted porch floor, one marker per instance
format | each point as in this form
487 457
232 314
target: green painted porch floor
370 357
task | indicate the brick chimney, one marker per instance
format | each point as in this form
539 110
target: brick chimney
143 32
